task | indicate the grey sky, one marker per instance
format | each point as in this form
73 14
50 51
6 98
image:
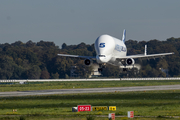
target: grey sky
76 21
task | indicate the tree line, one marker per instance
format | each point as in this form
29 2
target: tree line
39 60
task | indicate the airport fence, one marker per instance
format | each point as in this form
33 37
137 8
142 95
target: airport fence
106 79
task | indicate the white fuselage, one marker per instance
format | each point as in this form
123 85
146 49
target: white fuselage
113 51
108 49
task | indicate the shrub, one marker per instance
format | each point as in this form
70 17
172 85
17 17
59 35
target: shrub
90 117
22 118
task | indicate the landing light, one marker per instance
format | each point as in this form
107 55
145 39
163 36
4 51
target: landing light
102 56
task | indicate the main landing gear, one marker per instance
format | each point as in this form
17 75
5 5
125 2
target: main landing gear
125 69
101 67
100 70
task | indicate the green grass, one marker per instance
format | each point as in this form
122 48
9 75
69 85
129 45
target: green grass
150 104
84 84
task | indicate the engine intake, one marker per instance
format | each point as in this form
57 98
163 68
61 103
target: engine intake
130 61
87 62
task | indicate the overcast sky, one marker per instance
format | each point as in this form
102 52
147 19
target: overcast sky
76 21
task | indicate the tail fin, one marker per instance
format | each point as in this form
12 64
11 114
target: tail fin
124 36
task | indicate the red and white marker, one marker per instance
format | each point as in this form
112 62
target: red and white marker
130 114
112 116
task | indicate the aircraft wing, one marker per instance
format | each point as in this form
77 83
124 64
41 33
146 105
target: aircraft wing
77 56
144 56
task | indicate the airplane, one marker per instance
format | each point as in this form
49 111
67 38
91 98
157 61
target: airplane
110 50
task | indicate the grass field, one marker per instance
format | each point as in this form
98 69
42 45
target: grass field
84 84
149 104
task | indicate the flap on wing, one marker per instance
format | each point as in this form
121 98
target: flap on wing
145 56
77 56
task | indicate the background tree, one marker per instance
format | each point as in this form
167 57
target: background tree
34 72
32 60
45 75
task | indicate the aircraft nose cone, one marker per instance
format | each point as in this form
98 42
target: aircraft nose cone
103 59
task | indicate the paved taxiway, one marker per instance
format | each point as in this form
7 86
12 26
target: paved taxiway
89 90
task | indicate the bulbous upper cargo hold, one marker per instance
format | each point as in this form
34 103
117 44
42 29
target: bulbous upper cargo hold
104 45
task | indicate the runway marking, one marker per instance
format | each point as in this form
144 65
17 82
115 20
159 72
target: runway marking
88 90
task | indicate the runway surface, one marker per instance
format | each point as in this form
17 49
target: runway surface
89 90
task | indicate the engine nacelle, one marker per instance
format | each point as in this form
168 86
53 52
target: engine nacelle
130 61
87 62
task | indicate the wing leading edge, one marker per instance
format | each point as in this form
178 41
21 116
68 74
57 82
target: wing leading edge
77 56
144 56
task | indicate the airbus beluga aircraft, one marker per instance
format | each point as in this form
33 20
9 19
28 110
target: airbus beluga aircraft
110 50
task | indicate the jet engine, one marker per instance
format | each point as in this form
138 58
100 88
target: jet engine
87 62
130 61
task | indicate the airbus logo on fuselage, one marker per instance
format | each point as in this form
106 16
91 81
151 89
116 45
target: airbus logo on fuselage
120 48
102 45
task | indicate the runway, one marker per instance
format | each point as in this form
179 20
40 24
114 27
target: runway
88 90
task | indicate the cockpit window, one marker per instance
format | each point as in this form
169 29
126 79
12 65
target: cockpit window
102 56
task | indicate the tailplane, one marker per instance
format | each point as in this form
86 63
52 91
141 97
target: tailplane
124 36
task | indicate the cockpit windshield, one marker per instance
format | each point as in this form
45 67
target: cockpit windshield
102 56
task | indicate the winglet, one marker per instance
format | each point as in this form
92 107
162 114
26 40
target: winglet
124 36
145 50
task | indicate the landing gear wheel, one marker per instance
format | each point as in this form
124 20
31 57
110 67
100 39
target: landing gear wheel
125 69
103 66
100 70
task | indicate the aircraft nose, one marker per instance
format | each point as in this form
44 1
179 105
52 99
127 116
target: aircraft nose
102 59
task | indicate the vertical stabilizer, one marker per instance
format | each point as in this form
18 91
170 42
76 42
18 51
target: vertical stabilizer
124 36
